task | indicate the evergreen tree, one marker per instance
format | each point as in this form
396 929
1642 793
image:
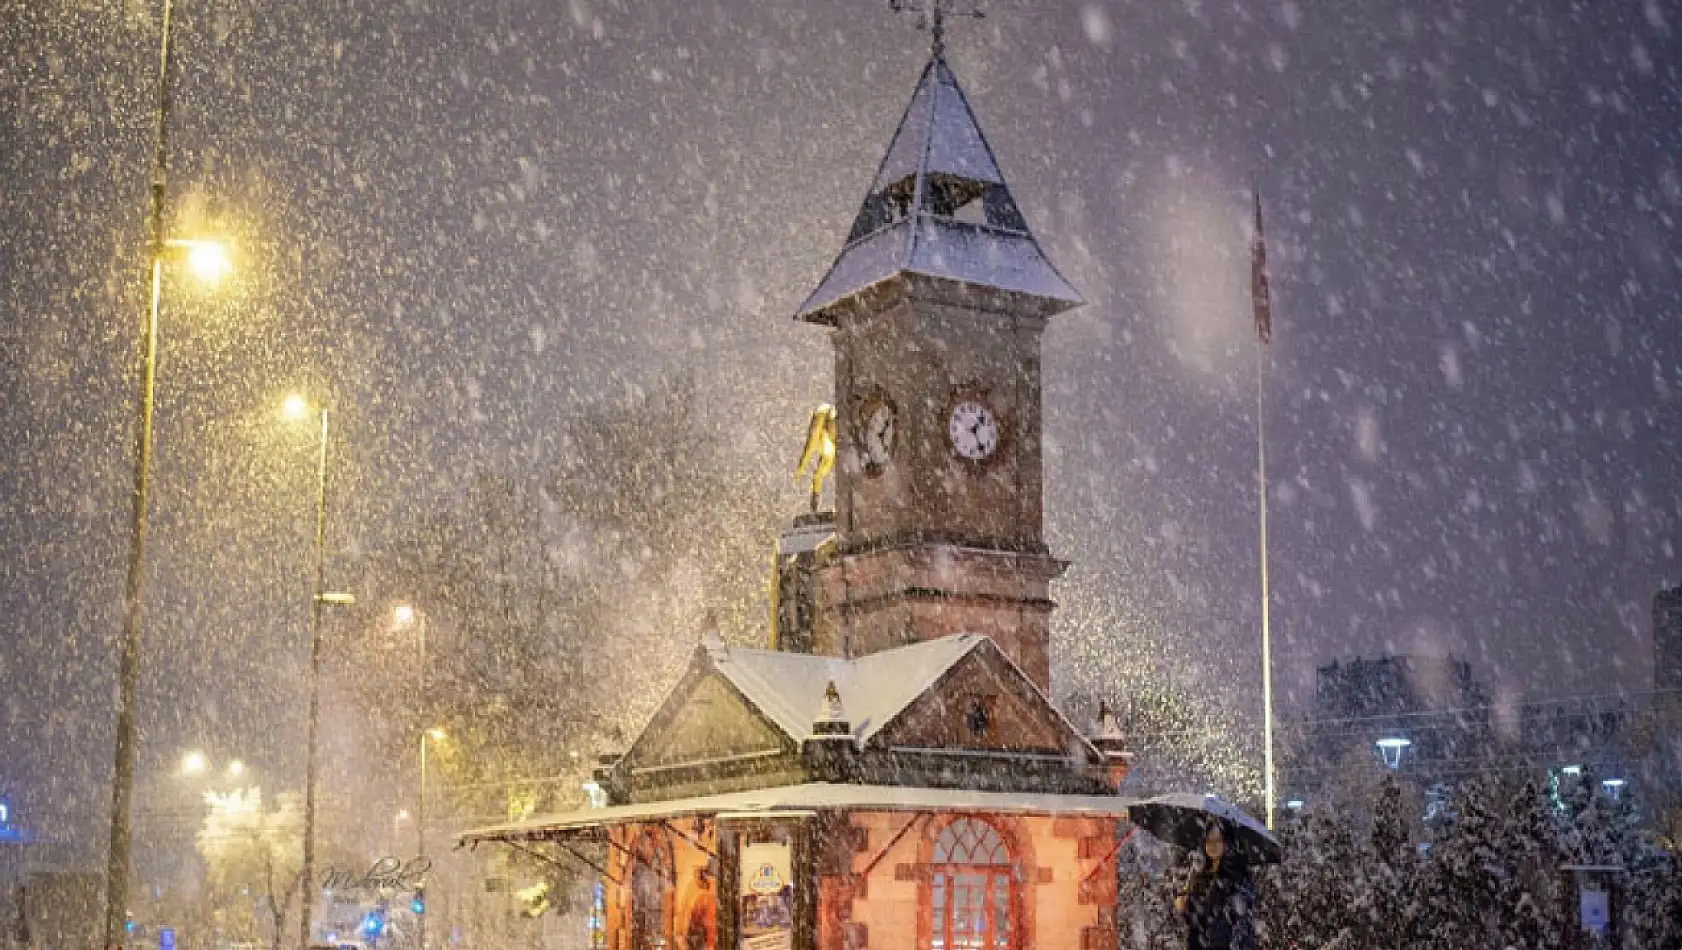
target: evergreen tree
1320 896
1531 859
1461 886
1653 910
1391 869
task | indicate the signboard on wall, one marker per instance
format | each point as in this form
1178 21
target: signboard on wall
1594 910
766 897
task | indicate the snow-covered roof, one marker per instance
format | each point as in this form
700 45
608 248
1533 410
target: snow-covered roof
788 688
812 796
939 207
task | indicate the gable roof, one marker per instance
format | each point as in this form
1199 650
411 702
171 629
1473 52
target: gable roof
788 688
939 206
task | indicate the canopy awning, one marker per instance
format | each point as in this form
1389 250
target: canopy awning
791 800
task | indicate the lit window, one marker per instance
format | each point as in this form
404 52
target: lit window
971 881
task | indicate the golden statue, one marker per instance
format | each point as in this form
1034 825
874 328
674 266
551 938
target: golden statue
820 449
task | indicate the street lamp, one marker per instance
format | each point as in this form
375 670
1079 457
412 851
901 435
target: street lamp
193 763
297 407
1391 748
434 735
202 256
207 259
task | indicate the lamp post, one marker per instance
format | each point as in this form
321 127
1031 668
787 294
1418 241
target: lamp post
208 260
297 407
433 735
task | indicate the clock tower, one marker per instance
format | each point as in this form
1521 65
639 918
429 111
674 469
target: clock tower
935 307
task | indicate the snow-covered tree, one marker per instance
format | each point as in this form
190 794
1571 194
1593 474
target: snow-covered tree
253 854
1653 909
1145 918
1390 873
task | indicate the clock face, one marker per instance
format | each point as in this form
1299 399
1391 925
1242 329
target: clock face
974 430
880 431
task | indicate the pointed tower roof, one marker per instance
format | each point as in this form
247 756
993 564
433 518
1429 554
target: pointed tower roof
939 207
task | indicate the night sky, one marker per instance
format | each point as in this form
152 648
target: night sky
467 221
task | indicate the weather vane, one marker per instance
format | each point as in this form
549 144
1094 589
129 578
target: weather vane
932 14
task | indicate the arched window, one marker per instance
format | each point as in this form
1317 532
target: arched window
972 888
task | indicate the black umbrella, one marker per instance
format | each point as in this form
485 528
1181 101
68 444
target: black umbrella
1183 819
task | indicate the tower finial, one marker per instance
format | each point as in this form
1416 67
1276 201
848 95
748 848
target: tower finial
934 18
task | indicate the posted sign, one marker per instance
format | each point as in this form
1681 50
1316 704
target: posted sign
766 898
1594 910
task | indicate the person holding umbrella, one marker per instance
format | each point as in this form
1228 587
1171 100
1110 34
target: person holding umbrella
1218 903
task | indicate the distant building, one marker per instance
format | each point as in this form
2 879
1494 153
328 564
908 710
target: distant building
1418 714
1431 721
1667 640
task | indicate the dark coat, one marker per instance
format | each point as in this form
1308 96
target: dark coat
1220 908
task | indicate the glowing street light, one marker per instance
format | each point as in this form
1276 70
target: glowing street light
236 768
1391 748
194 763
207 259
296 408
403 615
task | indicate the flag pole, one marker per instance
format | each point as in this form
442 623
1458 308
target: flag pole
1266 632
1262 305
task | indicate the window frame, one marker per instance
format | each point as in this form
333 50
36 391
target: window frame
998 878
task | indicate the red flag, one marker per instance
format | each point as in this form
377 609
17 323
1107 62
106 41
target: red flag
1260 299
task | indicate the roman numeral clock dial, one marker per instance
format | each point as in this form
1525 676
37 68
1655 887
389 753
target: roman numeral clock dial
881 430
974 430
